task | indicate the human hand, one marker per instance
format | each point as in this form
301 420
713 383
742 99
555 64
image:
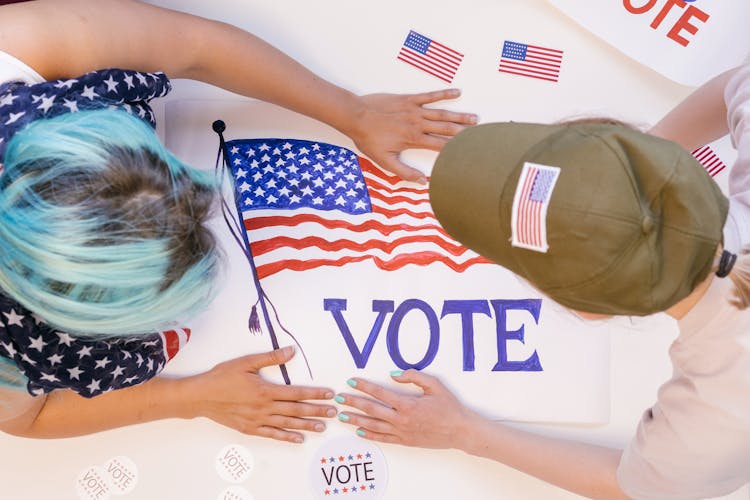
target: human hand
235 395
433 419
387 124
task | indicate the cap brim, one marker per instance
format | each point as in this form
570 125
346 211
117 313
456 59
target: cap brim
471 175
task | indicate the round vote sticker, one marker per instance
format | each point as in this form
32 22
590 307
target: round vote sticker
92 484
235 493
122 475
348 466
117 476
234 463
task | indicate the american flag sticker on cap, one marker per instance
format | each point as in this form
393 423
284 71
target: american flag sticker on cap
530 202
710 160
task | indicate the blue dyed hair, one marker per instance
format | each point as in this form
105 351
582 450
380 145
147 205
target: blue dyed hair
102 230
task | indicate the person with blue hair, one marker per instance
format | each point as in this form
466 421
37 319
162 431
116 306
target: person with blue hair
103 237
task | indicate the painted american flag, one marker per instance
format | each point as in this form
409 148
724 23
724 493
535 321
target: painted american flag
531 60
430 56
308 204
533 192
710 160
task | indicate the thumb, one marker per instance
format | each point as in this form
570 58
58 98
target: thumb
255 362
428 383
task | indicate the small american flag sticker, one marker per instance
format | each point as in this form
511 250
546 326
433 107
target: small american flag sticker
710 160
430 56
532 61
530 202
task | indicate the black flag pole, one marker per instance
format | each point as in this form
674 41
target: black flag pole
219 127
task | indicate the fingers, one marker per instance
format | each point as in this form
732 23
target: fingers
295 423
446 129
370 407
383 437
367 423
298 393
303 410
443 115
378 392
432 142
254 362
435 95
278 434
428 383
393 164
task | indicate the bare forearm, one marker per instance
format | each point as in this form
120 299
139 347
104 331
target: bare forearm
437 419
90 35
243 63
700 118
66 414
582 468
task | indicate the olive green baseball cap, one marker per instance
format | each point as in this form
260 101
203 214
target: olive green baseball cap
599 217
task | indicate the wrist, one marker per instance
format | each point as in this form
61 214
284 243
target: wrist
177 397
351 114
472 436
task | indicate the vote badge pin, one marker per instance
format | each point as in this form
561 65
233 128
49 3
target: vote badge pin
122 475
117 476
92 484
350 467
235 493
234 463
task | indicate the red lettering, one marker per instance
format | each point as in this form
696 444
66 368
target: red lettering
665 10
683 24
628 4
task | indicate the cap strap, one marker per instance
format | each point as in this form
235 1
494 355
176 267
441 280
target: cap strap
726 263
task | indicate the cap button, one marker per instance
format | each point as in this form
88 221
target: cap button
647 224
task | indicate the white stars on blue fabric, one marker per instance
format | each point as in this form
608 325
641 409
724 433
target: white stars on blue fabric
290 174
52 359
21 104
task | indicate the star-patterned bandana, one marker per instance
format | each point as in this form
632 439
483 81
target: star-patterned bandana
21 103
49 358
53 359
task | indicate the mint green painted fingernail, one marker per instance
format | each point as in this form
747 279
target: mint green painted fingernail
339 399
360 432
352 383
397 373
343 417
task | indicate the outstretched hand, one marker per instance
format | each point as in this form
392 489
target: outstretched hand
388 124
433 419
235 395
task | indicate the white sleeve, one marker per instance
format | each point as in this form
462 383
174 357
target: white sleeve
737 99
12 69
695 441
681 450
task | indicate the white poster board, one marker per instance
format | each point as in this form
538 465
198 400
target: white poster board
687 41
478 328
355 45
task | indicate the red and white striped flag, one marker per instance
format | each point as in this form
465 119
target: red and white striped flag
173 341
307 205
530 202
430 56
531 60
709 159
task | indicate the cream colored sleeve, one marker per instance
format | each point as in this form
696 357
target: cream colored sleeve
737 98
695 441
